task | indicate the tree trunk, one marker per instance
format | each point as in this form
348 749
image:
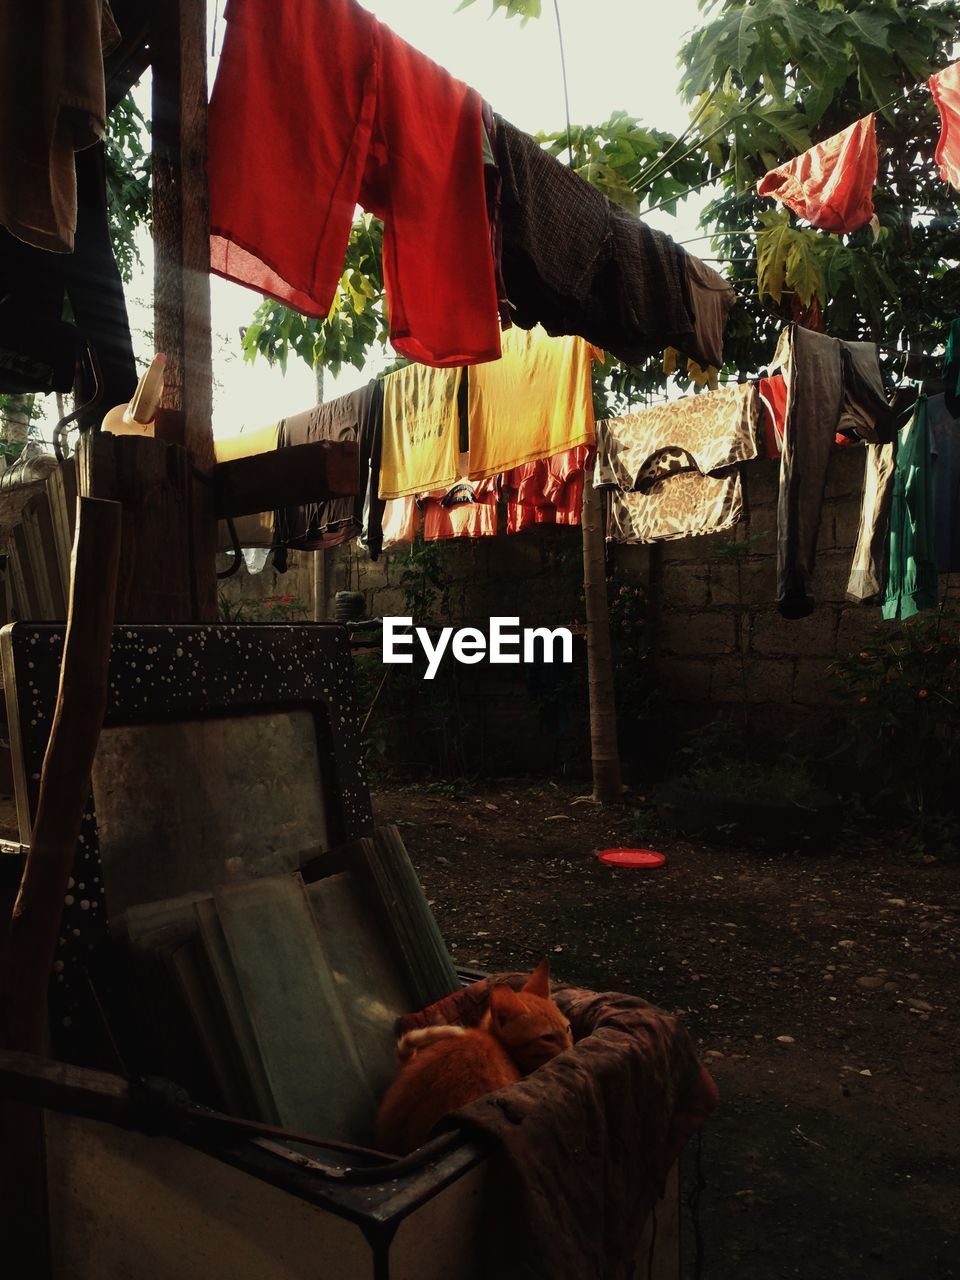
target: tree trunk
603 713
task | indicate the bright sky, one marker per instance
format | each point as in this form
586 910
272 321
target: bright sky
620 55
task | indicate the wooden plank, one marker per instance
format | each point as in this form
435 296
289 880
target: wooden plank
315 1075
286 477
44 560
153 482
27 585
35 924
19 601
62 490
181 238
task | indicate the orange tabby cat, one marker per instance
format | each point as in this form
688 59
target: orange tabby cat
445 1067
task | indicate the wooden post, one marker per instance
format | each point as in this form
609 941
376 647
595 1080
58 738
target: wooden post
604 752
181 238
35 924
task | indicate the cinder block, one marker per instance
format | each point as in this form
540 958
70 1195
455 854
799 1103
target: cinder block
707 632
761 680
811 685
684 679
813 636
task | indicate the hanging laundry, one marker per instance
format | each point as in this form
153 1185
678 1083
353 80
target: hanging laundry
493 186
579 264
354 418
421 449
319 107
34 283
465 511
831 185
831 386
52 106
869 567
536 401
548 491
945 87
401 522
712 299
944 428
912 577
951 367
773 409
673 469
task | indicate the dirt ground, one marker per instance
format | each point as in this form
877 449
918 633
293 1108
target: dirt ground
820 988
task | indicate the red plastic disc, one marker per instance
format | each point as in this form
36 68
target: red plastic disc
631 857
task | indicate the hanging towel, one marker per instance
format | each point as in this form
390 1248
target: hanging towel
534 402
831 185
912 578
52 105
318 107
945 87
673 468
579 264
465 511
420 450
712 298
356 418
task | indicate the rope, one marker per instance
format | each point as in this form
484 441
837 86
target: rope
563 76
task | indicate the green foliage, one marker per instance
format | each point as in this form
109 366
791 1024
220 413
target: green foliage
627 161
356 321
425 581
900 702
129 202
798 71
522 9
270 609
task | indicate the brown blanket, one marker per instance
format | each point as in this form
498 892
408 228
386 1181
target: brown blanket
585 1143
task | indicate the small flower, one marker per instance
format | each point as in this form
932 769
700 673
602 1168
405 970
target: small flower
286 599
922 693
270 603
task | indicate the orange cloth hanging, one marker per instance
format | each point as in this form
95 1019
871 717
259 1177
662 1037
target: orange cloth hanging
831 185
945 87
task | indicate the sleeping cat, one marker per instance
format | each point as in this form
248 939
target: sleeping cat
445 1067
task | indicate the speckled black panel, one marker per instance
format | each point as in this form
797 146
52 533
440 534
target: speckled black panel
184 673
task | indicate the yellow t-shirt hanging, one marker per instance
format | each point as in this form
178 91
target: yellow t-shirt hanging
421 438
533 402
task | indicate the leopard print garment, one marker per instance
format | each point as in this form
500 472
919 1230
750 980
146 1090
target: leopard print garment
673 468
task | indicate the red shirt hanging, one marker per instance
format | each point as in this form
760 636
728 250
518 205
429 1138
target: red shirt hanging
318 107
831 185
945 87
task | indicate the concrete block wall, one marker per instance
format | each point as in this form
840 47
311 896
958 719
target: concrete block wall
716 642
720 639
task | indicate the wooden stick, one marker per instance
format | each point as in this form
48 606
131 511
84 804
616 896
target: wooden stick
604 751
35 925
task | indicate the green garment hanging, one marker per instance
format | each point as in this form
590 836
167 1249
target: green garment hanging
912 579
